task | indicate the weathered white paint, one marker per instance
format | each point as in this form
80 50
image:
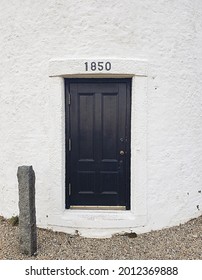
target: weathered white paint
40 40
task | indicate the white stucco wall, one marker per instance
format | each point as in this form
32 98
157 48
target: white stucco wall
168 35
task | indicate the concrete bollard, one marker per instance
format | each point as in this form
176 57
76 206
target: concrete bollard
27 211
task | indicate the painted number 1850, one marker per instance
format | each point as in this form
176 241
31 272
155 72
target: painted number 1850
98 66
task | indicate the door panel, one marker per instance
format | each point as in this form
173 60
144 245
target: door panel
97 121
86 132
109 132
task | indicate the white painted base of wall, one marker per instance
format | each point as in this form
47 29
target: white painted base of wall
103 224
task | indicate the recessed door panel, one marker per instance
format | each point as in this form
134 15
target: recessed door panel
109 133
86 132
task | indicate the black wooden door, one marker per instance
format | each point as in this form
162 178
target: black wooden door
98 142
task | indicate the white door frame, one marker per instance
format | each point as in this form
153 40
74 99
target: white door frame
98 222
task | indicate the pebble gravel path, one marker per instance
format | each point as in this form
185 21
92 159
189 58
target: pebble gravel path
180 242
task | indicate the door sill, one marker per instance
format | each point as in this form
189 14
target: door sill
85 207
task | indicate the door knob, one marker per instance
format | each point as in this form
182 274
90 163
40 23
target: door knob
121 153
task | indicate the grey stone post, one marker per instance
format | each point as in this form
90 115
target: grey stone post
27 212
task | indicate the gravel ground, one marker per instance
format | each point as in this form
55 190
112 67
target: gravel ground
180 242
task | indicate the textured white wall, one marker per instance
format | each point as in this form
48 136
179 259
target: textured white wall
166 33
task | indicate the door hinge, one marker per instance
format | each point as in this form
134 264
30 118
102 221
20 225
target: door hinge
69 99
70 145
70 186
